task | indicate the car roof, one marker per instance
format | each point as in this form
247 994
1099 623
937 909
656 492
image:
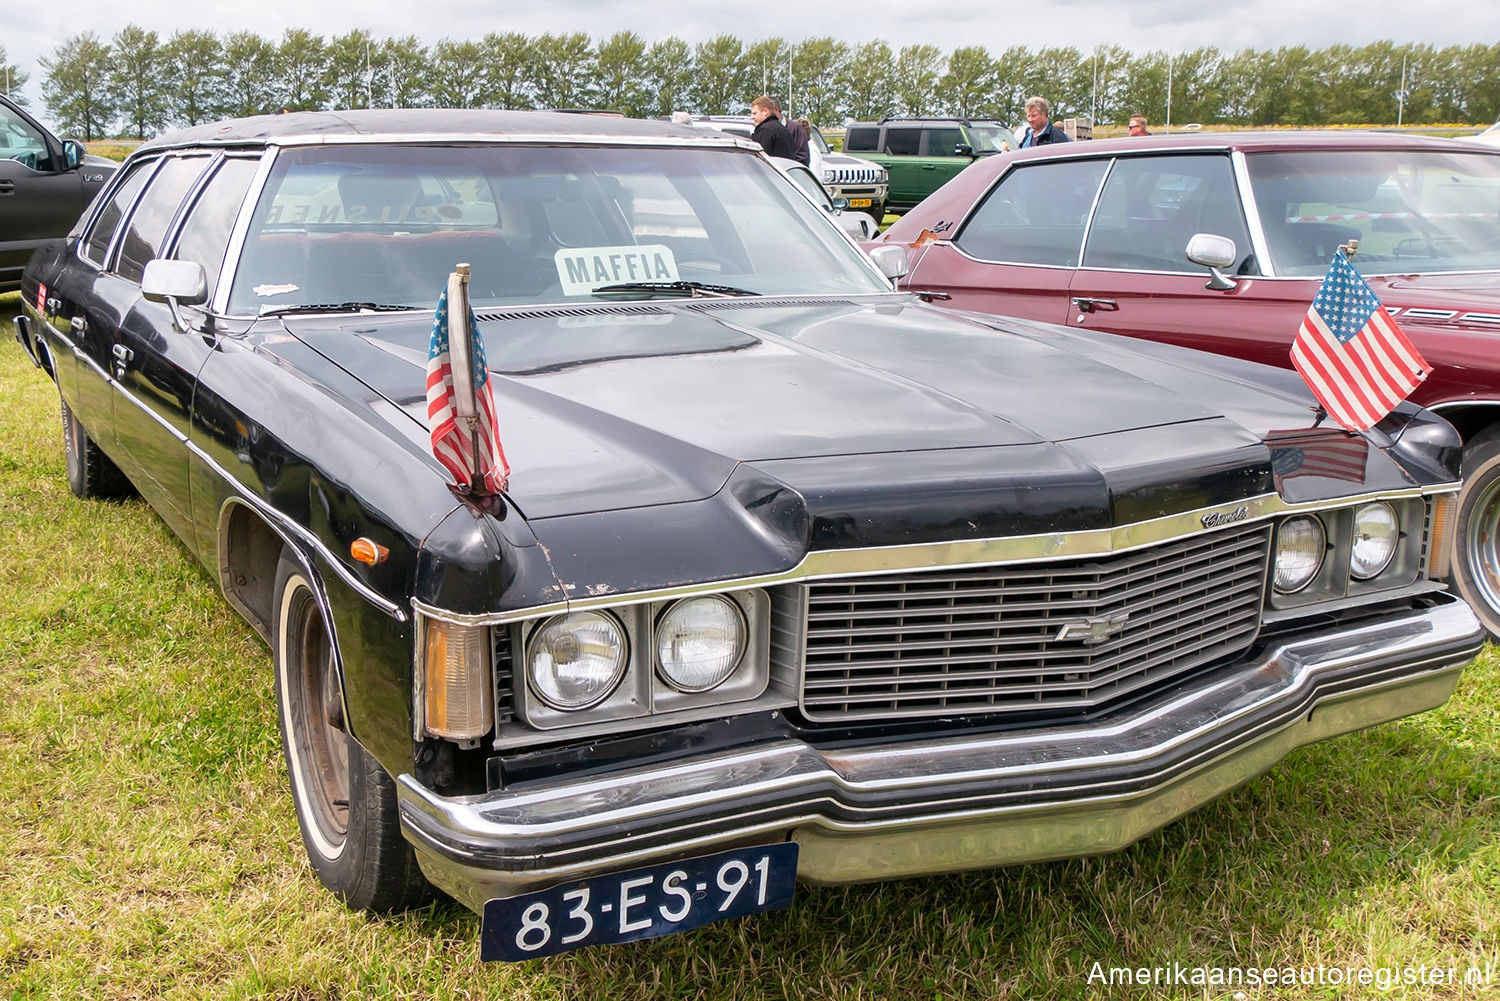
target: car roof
1249 141
477 125
953 200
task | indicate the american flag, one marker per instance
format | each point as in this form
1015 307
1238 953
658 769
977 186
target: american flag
1355 359
453 440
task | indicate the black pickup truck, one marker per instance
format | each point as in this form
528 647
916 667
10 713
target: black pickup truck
45 184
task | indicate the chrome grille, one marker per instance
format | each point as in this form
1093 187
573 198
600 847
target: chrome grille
1071 634
856 175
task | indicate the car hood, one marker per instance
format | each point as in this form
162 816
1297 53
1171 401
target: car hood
886 420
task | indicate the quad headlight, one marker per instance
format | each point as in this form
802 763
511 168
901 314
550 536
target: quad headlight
1376 531
1300 545
699 643
574 661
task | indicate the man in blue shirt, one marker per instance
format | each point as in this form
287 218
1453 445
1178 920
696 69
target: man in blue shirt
1040 131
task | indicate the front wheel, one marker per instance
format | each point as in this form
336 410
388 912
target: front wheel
1476 537
345 801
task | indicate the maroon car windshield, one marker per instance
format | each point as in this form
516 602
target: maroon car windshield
1412 211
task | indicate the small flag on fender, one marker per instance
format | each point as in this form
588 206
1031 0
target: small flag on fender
1351 353
461 412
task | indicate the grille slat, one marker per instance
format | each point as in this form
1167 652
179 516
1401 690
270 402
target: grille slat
1062 634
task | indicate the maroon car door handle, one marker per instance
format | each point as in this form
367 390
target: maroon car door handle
1086 305
7 187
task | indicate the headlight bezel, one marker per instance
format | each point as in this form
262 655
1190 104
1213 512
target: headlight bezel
642 693
1335 581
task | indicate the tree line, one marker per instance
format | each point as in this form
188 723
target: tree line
138 84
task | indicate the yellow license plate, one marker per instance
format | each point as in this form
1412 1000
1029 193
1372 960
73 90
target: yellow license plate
859 203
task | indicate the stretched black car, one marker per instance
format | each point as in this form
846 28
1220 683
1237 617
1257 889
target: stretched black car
795 576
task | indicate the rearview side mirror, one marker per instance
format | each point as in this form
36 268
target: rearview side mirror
891 260
175 283
1214 253
963 149
72 154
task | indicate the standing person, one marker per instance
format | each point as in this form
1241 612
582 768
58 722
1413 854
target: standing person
800 129
769 132
1040 131
1138 125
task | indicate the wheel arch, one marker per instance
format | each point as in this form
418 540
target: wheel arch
1471 418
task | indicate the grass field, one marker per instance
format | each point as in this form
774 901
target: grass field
148 847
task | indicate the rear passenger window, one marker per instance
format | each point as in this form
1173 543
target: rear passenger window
865 139
903 142
1035 215
96 246
154 212
205 235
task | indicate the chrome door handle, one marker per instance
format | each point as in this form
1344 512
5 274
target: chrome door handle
1087 305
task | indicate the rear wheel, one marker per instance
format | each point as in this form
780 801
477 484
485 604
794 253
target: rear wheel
91 475
1476 537
345 801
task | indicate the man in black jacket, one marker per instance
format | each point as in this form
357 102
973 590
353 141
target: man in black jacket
1040 131
769 132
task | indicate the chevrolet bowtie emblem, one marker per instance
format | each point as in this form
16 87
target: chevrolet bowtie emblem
1093 629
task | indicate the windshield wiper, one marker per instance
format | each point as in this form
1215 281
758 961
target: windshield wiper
695 290
333 307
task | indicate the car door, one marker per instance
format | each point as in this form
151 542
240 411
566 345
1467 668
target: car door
39 198
154 364
1016 253
1135 277
92 302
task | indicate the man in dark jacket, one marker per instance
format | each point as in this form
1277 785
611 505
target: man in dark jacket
769 132
1040 131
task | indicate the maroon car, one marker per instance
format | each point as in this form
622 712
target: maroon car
1219 242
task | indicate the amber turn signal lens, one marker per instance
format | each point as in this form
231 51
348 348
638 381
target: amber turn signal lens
457 697
1440 544
368 551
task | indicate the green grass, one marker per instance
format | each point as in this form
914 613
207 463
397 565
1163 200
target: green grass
148 847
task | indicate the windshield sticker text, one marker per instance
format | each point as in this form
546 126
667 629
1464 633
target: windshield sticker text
584 269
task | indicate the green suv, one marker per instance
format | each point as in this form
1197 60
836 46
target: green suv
921 154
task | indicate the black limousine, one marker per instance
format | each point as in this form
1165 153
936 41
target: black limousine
794 577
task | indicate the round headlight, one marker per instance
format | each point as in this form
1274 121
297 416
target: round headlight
1375 532
829 175
699 642
1300 543
576 660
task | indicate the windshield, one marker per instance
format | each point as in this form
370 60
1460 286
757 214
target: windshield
386 224
818 141
1411 211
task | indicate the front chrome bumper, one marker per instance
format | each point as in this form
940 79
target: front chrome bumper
948 804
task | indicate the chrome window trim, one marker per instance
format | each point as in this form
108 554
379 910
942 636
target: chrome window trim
150 167
830 564
967 217
240 232
1258 240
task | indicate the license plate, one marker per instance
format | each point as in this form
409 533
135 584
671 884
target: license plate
640 903
860 203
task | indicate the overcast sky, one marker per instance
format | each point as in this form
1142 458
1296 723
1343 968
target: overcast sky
31 30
